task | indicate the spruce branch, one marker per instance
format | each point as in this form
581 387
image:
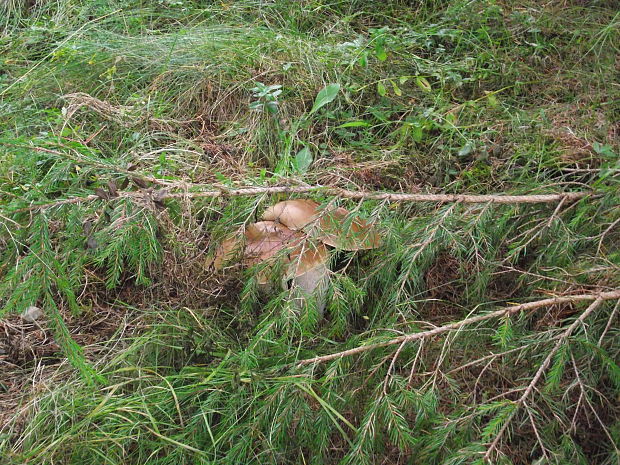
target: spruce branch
98 164
505 311
544 365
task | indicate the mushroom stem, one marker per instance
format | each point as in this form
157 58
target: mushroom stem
311 284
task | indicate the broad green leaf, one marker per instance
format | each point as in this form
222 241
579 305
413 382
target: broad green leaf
272 107
423 84
303 160
381 90
380 51
397 90
354 124
325 96
363 60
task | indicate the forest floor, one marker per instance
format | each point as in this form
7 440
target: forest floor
129 130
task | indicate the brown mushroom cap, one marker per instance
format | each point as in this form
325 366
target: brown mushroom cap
294 214
228 249
306 261
302 257
259 242
307 256
262 242
263 229
302 213
267 238
303 254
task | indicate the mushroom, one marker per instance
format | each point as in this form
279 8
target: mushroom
295 214
303 213
264 241
259 243
305 264
259 240
264 229
310 274
289 225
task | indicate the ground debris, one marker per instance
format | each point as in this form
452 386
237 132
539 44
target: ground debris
32 314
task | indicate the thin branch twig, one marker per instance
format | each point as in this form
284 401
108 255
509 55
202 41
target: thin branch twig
505 311
609 322
600 242
221 191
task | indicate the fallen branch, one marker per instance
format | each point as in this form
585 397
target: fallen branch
505 311
221 191
98 164
541 370
392 197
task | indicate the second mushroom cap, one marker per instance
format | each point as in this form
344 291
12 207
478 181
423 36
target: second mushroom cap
334 226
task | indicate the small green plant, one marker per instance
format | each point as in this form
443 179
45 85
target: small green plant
303 159
266 97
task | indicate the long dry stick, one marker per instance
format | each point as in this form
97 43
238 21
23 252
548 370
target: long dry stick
162 194
165 188
394 197
505 311
541 370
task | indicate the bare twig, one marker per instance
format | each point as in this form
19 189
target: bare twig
415 363
386 382
613 315
394 197
221 191
538 438
600 242
506 311
166 188
555 213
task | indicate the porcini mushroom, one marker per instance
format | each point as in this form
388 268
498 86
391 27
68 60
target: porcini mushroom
294 214
259 243
306 261
309 271
264 238
332 227
296 226
264 229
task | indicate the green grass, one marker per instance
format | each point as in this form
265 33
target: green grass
198 366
